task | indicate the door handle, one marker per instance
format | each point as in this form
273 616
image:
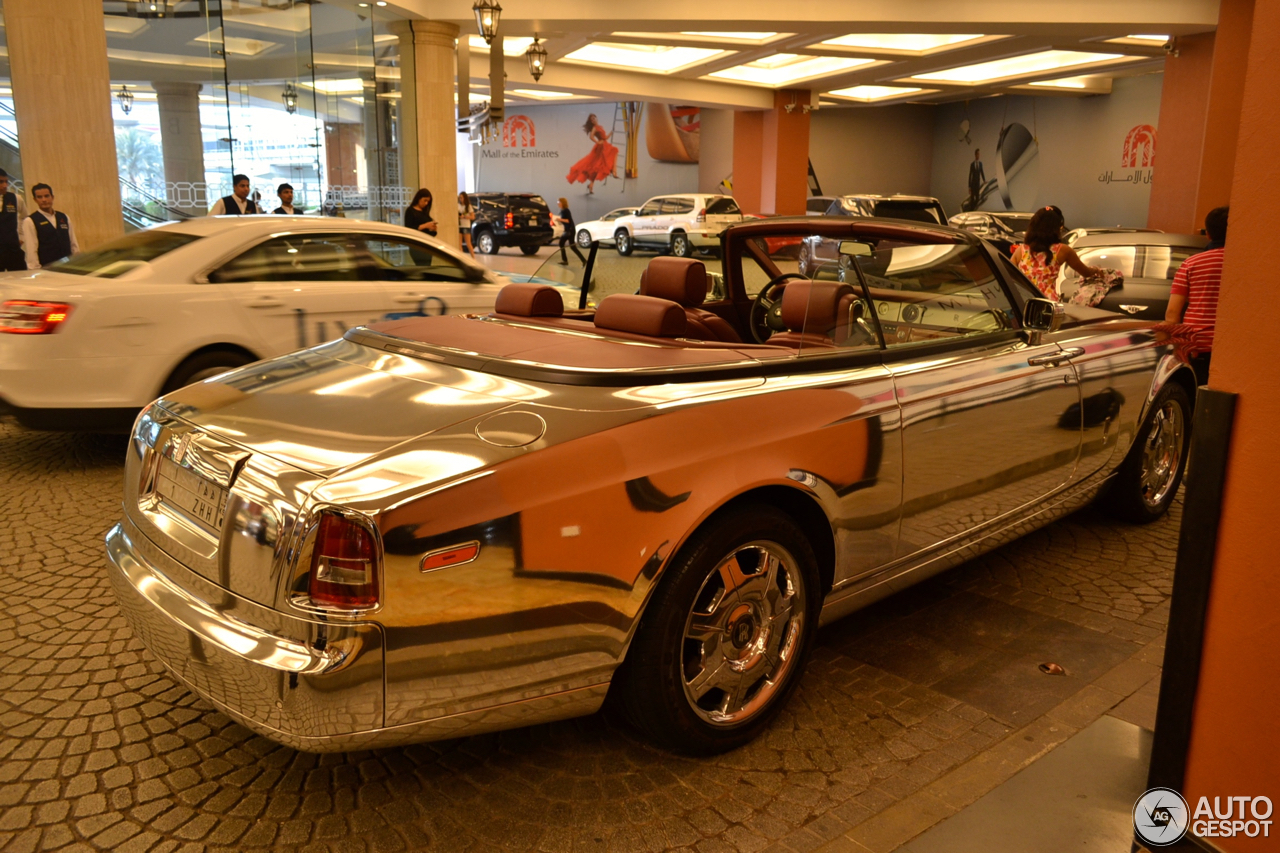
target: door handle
1055 358
1133 309
265 302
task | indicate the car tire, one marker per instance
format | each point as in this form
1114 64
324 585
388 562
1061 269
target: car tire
844 271
766 628
584 239
802 259
1148 479
530 250
680 245
202 366
486 243
622 241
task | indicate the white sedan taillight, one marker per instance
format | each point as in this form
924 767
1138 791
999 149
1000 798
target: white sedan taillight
24 317
344 564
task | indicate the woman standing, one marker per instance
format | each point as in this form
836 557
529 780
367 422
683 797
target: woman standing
466 216
418 214
567 236
600 163
1041 257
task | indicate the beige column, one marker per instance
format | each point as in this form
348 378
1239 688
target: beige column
62 99
180 137
428 129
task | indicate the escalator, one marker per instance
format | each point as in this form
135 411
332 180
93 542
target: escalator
141 208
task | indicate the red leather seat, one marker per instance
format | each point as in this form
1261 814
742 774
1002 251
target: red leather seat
641 315
525 299
817 314
684 282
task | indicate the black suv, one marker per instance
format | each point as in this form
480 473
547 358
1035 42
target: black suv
510 219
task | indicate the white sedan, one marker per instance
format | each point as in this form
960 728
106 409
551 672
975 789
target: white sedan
86 342
601 229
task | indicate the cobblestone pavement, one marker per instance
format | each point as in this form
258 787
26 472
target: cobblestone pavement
99 750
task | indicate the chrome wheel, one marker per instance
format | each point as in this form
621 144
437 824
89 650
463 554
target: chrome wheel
486 244
680 246
741 636
1162 453
622 241
584 239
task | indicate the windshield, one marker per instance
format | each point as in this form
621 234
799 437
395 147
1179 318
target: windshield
123 254
917 211
1160 262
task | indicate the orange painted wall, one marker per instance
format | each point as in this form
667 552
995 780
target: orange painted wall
748 142
1235 745
1199 110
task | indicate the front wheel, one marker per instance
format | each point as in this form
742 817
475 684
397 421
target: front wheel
723 643
486 244
1149 477
622 241
205 365
529 250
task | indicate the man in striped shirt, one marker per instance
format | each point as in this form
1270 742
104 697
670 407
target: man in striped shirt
1193 299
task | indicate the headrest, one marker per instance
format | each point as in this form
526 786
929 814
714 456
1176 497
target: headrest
526 299
640 315
813 306
682 280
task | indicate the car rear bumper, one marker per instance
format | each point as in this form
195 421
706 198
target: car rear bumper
539 237
110 420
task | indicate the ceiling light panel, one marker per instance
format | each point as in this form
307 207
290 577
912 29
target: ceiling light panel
655 59
1020 66
540 95
916 43
511 46
728 38
784 68
1143 40
348 86
870 94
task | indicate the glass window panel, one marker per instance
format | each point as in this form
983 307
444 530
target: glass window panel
300 258
402 260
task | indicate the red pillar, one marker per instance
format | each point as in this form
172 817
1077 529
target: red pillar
1235 743
1199 122
771 155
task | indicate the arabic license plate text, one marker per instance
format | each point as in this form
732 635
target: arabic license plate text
193 495
533 220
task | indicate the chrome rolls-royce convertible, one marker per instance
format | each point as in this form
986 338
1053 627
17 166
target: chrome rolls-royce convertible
439 526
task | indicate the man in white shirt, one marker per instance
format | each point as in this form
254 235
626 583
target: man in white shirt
285 191
238 203
13 212
47 234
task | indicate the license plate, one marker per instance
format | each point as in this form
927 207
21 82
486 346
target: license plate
533 220
193 495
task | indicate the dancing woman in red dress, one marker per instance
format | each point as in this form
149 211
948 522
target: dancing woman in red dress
600 163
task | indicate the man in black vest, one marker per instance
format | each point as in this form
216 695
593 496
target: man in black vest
47 234
13 211
285 191
238 202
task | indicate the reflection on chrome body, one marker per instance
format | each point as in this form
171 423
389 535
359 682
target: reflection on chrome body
576 497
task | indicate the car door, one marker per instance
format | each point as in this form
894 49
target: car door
425 279
646 222
990 420
298 290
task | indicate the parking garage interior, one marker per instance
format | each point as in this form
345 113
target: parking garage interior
1031 697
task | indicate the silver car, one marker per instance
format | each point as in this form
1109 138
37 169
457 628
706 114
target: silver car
440 526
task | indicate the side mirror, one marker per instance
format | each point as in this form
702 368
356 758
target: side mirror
1043 315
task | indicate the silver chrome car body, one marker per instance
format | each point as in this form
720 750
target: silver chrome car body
579 486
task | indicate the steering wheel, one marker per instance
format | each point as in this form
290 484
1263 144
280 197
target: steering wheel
766 311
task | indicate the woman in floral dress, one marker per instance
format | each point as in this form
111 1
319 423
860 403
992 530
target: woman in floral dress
600 163
1041 256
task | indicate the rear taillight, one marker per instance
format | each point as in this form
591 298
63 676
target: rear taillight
344 564
702 215
22 317
511 220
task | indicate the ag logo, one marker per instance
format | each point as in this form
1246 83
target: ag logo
1160 817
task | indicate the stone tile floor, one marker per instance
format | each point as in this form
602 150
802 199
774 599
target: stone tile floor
910 710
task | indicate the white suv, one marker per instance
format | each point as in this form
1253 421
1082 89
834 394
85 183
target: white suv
682 224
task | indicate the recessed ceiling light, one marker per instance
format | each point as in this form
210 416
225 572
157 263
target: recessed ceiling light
867 94
1020 66
732 38
511 46
783 68
1145 40
539 94
906 42
661 59
348 86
